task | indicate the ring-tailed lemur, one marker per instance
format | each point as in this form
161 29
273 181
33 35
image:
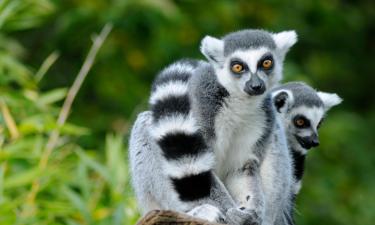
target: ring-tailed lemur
212 124
302 110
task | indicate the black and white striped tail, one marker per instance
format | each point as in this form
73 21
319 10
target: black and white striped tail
188 163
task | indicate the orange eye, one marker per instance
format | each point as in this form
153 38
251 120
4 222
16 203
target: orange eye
267 64
300 122
237 68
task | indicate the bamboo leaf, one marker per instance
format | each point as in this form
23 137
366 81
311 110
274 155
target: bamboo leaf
52 96
77 202
21 178
116 162
2 172
9 121
48 62
74 130
97 167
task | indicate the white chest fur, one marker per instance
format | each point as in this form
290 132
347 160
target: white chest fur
238 126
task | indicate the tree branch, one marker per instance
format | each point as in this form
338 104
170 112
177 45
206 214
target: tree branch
167 217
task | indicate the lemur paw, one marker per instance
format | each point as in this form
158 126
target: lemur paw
243 216
207 212
255 206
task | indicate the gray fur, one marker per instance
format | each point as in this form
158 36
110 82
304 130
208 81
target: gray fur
278 184
303 94
246 39
142 149
165 76
208 95
269 111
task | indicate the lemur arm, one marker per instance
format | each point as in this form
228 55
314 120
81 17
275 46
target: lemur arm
245 185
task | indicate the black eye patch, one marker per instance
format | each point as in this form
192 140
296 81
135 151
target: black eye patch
239 65
301 121
266 58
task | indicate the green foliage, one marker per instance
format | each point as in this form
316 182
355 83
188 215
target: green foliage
43 44
78 186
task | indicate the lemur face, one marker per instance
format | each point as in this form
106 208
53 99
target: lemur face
248 62
250 72
302 110
303 124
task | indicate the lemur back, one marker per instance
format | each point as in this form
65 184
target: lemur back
214 129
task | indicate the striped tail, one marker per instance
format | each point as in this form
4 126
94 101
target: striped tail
188 162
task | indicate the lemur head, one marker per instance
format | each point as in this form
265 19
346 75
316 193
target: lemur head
248 62
302 110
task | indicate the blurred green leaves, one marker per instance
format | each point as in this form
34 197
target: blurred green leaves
77 186
23 14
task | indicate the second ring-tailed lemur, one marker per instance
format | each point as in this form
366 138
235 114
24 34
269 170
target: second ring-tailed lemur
212 136
302 110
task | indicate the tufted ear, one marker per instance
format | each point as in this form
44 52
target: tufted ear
329 99
284 40
282 99
213 49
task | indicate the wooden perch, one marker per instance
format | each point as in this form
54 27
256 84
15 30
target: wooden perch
167 217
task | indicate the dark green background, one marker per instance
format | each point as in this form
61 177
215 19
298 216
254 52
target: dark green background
335 53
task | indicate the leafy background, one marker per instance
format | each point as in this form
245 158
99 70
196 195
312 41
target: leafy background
87 180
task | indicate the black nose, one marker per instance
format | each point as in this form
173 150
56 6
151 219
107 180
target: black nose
255 89
255 86
309 141
315 142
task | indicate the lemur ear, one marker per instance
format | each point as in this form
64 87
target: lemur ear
329 100
284 40
213 49
282 99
